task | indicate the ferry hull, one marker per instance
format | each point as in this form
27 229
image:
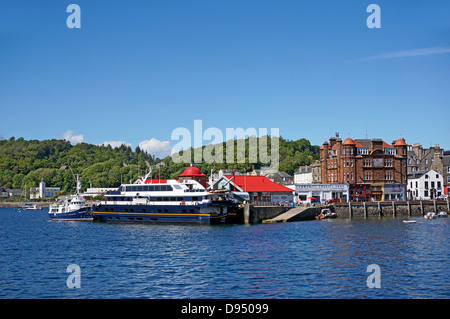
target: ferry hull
159 214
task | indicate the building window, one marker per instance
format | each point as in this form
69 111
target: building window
388 176
390 151
426 161
367 163
362 151
426 185
367 176
448 169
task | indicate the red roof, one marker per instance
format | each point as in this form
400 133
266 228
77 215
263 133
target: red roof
192 171
256 184
400 142
349 141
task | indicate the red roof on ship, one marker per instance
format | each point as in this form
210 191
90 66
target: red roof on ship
192 171
256 184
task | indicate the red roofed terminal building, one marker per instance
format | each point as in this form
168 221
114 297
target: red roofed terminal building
374 169
260 188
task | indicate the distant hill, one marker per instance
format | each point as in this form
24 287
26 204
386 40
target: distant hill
27 161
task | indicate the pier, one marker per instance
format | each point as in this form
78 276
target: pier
250 214
394 208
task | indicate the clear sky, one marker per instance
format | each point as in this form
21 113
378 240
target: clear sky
137 70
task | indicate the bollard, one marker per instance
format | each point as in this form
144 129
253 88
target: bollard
350 209
394 211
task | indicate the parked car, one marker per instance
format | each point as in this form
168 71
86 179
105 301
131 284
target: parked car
334 200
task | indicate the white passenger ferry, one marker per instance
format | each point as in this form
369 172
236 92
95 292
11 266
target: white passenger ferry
164 201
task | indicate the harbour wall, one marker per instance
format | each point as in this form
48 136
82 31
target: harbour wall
257 214
406 208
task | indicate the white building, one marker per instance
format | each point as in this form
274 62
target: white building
425 185
321 193
42 191
303 175
95 191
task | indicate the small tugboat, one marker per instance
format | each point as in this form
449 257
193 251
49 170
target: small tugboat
73 208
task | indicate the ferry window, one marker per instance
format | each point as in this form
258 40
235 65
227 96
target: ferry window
158 188
177 186
184 210
179 199
159 210
159 199
172 199
194 198
143 210
188 198
131 210
120 189
112 209
166 210
191 210
126 209
166 199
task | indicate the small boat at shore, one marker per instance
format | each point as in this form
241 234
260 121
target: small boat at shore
442 215
30 207
430 215
326 213
409 221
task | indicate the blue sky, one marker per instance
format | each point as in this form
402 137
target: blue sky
137 70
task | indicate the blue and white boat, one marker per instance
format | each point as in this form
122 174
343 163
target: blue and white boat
166 201
72 208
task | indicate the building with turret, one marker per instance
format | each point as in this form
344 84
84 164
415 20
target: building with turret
373 169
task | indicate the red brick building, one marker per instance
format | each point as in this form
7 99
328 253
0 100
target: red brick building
373 169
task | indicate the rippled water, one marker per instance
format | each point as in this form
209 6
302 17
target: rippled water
314 259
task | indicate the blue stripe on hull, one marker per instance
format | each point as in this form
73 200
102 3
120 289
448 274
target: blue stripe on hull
151 218
151 213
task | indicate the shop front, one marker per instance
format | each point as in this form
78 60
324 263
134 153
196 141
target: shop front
320 193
